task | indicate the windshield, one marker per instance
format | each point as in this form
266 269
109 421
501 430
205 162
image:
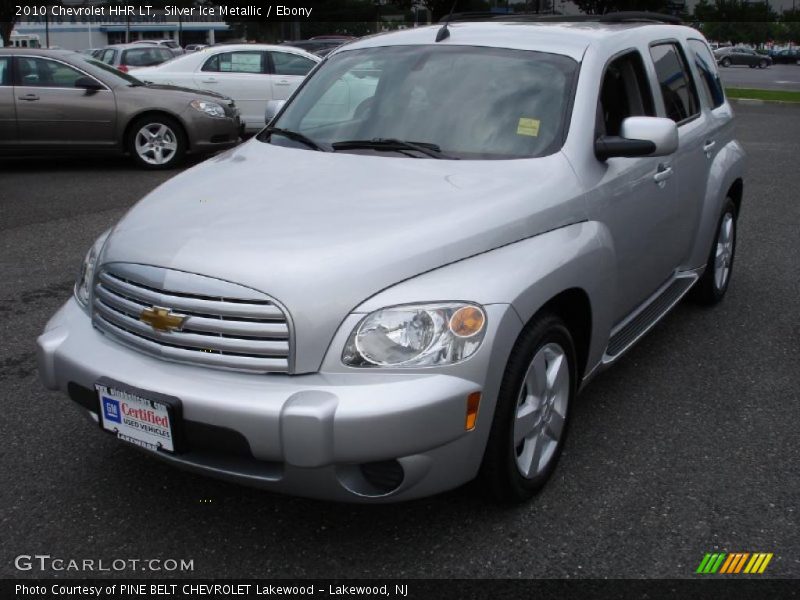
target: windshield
467 102
117 77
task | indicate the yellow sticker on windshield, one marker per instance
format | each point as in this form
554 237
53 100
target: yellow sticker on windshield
528 127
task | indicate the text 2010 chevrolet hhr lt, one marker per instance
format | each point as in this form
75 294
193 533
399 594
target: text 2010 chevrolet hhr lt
402 283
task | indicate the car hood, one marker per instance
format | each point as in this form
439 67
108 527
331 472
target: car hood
322 232
185 90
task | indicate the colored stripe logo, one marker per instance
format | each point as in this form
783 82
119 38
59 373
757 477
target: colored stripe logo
734 563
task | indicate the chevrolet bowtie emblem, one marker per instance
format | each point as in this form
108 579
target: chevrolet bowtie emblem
161 319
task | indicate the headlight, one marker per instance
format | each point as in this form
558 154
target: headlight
212 109
83 285
420 335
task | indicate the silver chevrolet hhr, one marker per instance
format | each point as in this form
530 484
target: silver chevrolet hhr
402 282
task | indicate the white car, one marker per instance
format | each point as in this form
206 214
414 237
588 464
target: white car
251 74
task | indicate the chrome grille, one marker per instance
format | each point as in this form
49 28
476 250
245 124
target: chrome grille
242 329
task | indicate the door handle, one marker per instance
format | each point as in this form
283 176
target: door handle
664 172
210 80
708 147
29 97
283 82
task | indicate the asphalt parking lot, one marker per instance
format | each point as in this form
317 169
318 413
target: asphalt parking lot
689 445
776 77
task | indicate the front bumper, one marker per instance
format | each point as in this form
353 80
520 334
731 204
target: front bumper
322 435
207 134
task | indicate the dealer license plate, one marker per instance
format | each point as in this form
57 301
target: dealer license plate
136 419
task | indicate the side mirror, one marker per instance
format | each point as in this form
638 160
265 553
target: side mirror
87 83
273 108
639 136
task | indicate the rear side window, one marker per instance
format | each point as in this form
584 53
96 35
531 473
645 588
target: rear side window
677 88
108 56
291 64
236 62
5 70
710 83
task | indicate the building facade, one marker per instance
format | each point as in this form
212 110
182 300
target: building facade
78 33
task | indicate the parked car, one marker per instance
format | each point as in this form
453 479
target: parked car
195 47
320 47
251 74
131 57
64 101
384 302
727 57
166 43
789 56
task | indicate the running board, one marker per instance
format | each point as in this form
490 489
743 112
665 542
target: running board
627 333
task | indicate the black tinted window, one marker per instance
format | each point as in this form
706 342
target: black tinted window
711 85
677 89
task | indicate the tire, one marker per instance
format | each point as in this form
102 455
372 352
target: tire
763 64
726 62
157 142
712 286
545 348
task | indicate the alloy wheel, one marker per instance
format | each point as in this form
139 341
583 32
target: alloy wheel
541 410
156 143
724 252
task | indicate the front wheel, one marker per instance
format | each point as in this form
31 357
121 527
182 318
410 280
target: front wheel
711 287
157 142
763 64
726 62
532 412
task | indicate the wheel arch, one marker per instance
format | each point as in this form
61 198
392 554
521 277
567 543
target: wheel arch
736 193
726 178
574 307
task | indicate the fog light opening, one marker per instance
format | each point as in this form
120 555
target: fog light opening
373 479
473 403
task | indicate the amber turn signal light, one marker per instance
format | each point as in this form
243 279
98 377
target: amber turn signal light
473 401
467 321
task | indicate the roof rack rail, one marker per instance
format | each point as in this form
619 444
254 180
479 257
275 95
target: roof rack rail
612 17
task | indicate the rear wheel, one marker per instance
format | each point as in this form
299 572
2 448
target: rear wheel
532 412
726 62
157 142
711 287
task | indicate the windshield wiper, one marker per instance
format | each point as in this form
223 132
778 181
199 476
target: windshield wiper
390 144
296 136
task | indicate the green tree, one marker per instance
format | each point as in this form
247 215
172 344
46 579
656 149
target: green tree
790 24
7 20
737 21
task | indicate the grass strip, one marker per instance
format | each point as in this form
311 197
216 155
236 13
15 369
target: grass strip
768 95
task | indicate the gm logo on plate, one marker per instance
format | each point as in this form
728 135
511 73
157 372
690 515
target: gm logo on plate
111 410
